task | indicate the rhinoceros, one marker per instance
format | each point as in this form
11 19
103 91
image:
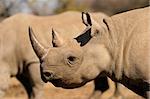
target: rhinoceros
17 56
117 48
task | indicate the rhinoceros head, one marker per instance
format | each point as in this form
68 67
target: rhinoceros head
69 63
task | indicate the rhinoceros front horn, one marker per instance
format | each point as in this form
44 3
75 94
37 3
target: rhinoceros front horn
38 48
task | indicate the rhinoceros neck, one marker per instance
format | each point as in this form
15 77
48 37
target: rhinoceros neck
122 31
115 46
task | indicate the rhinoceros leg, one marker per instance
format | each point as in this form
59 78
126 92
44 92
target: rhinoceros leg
26 83
117 94
32 82
101 85
34 70
4 78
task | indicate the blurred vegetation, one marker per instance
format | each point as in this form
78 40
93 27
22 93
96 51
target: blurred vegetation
71 5
48 7
116 6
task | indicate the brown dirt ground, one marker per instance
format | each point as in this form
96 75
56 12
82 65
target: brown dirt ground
16 91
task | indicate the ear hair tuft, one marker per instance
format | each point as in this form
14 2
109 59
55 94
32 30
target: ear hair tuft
86 19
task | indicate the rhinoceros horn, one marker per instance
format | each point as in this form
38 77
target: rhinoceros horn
57 41
38 48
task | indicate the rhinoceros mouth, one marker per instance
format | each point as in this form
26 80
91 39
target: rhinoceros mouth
43 78
49 79
60 83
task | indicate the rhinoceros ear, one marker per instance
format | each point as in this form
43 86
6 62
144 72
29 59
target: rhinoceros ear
37 47
86 19
85 37
57 41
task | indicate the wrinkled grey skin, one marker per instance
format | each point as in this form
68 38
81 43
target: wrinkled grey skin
118 48
18 58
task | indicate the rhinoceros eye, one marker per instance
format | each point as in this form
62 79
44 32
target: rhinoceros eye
71 60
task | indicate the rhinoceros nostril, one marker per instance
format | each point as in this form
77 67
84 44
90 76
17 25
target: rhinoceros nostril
47 74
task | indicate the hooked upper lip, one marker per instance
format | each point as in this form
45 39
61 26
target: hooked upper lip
50 79
48 76
44 79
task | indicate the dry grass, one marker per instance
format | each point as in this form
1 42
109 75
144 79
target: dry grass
16 91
